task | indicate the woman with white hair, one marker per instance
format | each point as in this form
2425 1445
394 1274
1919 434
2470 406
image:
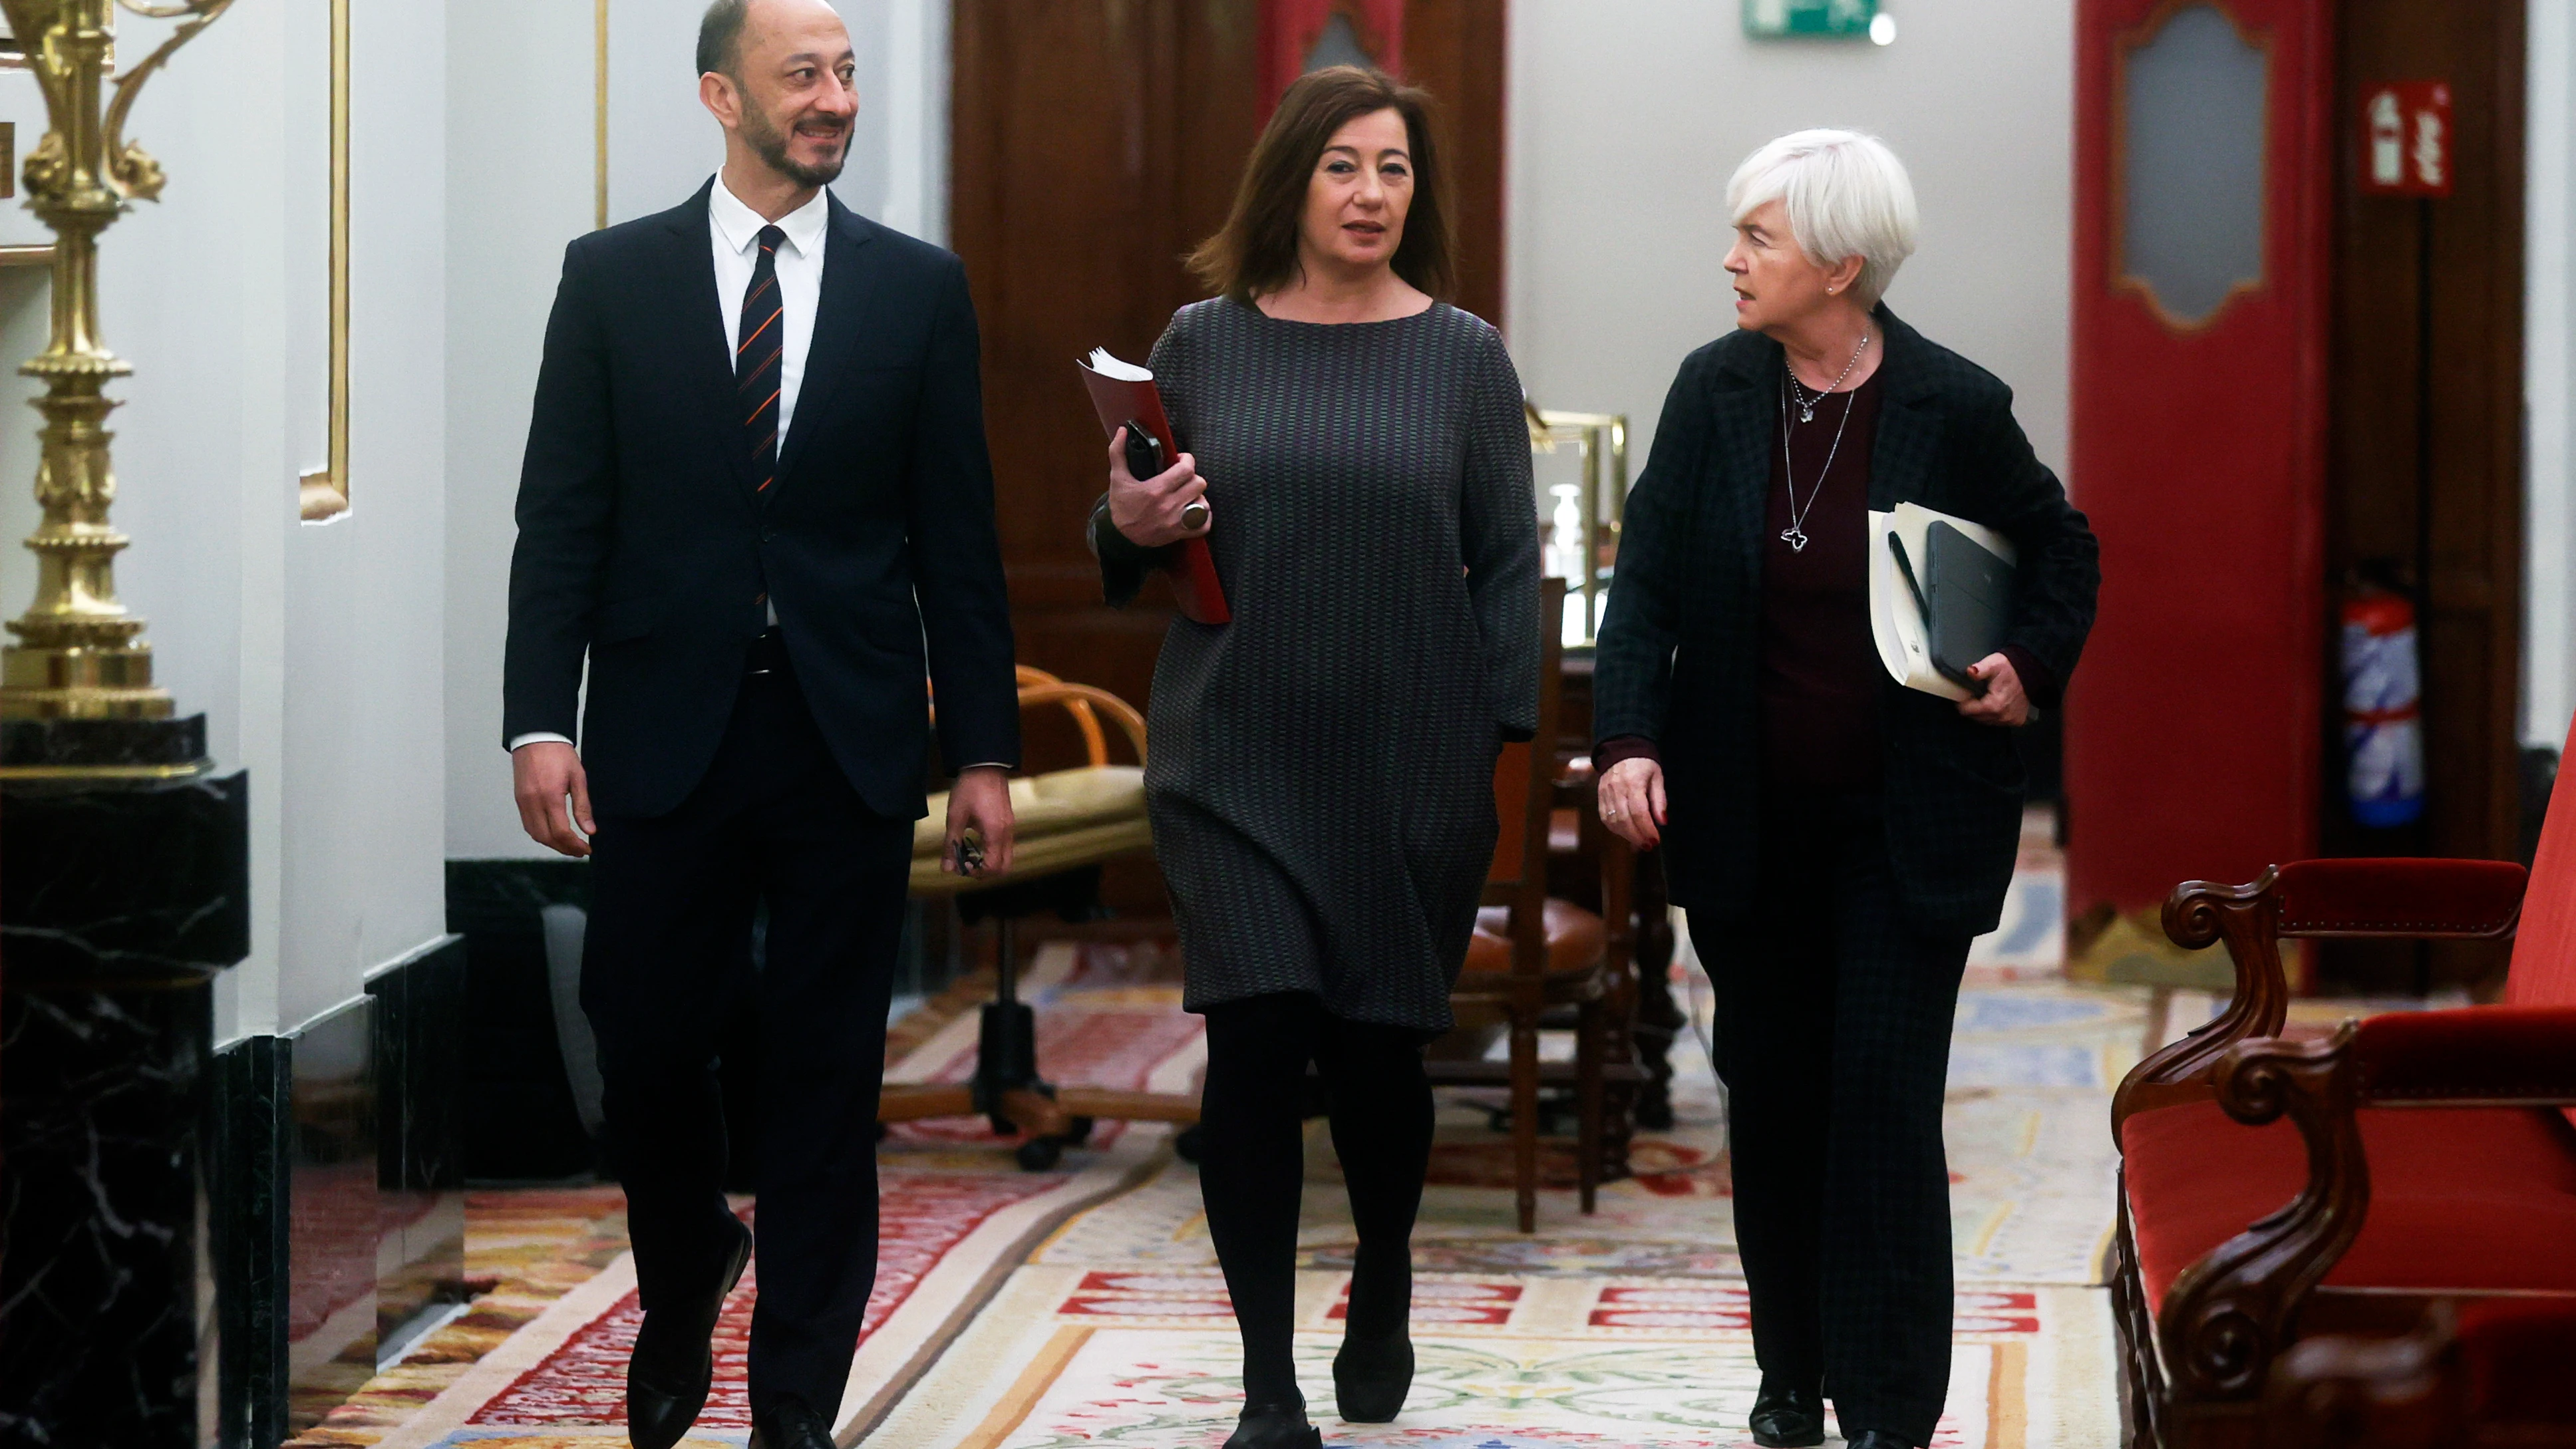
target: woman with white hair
1836 838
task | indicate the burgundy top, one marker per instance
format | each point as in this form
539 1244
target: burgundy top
1817 678
1819 671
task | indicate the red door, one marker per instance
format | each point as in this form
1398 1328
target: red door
2198 439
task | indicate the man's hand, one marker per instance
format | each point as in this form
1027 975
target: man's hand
981 801
542 775
1632 802
2003 703
1148 511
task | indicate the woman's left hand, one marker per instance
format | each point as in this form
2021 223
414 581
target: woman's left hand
2003 703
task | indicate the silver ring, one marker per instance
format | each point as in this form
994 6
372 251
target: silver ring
1614 814
1194 514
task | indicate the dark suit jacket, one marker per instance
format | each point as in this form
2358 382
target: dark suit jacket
1680 643
643 542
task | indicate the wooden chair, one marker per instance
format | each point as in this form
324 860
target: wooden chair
1065 820
1533 953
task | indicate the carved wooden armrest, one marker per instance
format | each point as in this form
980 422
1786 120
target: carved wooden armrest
2344 1392
2481 1376
2309 900
2229 1315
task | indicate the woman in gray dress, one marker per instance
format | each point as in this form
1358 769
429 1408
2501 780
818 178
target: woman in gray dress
1321 771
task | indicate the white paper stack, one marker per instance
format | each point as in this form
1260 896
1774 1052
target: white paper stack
1895 620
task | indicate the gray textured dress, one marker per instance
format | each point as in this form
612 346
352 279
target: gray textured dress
1320 771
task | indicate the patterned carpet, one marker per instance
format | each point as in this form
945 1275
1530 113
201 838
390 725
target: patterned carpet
1082 1306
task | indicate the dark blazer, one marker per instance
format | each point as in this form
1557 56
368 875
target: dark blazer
1680 643
644 543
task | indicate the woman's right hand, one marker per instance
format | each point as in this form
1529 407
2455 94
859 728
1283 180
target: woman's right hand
1632 802
1147 512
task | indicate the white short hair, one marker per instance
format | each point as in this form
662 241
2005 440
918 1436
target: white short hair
1847 195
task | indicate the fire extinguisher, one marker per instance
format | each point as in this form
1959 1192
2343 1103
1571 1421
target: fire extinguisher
2382 722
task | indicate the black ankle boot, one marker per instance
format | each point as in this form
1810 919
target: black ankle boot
1787 1418
1371 1377
1279 1424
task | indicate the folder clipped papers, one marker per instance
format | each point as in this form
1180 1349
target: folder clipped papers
1940 596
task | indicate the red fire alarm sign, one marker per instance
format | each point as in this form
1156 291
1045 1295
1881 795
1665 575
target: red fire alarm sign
2406 139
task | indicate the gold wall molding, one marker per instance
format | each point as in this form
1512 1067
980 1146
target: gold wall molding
599 133
324 492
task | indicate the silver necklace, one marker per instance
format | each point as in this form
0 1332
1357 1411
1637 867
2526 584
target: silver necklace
1807 404
1795 535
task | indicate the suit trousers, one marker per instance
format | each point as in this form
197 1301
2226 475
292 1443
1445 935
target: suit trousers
776 822
1833 1039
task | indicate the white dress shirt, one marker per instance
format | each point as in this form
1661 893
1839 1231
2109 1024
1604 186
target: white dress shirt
733 230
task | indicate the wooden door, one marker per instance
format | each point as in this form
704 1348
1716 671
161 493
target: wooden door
2424 476
1094 142
2199 422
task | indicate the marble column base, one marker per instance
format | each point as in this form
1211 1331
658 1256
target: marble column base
118 904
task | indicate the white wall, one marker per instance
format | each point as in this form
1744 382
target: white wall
365 879
1626 120
2549 379
496 328
662 147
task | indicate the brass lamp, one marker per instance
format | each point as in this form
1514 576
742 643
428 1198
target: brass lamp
79 654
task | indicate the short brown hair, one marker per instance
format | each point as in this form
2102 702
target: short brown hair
1256 250
720 39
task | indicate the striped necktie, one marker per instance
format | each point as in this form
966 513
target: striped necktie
756 359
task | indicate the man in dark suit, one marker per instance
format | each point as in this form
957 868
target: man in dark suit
756 492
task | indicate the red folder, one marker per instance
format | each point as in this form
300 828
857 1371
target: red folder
1119 401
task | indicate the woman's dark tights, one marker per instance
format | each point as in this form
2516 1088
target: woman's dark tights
1254 1161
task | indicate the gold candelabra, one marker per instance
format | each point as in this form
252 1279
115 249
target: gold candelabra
79 654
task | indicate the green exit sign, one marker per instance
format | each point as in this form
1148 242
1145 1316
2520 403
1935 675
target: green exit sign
1809 17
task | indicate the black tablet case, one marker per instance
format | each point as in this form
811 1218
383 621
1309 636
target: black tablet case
1969 599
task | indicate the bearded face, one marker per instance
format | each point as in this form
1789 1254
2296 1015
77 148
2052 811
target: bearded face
788 87
800 140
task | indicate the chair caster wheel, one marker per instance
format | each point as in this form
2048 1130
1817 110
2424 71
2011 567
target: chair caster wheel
1077 1131
1038 1154
1189 1142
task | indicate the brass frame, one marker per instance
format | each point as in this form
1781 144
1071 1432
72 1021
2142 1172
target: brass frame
1599 436
324 492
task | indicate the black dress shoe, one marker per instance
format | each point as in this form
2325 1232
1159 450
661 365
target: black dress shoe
1787 1418
1371 1377
674 1362
1275 1426
1880 1439
789 1424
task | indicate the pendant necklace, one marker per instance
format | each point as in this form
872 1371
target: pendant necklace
1795 535
1807 404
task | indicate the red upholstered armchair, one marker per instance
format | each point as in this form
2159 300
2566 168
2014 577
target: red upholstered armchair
2274 1190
